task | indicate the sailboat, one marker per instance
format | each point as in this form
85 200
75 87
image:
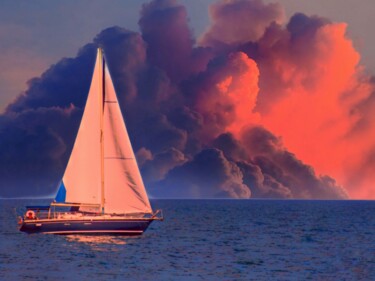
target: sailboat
102 191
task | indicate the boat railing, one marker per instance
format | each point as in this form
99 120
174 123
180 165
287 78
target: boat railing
158 215
41 214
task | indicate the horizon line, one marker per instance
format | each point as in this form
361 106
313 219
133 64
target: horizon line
191 198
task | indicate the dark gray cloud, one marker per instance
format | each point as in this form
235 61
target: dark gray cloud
169 39
162 79
156 167
230 21
34 149
286 174
270 171
208 175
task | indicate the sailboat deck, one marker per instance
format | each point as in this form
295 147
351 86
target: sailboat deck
66 216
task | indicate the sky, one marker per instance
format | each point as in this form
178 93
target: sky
248 98
37 34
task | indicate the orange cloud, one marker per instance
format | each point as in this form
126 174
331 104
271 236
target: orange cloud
312 91
228 95
314 115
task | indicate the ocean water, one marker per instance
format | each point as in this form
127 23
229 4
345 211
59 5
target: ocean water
205 240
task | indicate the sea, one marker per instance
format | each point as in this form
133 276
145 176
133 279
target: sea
205 240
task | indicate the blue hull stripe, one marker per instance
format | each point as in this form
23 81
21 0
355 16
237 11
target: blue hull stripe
127 227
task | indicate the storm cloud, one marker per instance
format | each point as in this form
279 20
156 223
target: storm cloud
252 108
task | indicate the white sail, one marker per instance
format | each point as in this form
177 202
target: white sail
124 191
102 168
82 176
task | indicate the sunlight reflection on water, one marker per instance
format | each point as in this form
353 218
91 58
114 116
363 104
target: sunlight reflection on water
100 242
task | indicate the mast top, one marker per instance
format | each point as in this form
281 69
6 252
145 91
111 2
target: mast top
100 51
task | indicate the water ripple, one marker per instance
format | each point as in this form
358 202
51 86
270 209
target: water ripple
206 240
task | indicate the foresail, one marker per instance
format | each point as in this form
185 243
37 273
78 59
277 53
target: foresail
124 191
82 176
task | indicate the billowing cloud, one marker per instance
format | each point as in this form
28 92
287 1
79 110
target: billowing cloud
156 167
254 107
34 149
284 174
225 94
170 43
312 92
208 175
270 171
238 21
310 85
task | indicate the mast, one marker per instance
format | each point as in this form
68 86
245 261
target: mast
101 104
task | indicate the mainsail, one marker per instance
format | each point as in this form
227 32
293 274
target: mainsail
102 168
